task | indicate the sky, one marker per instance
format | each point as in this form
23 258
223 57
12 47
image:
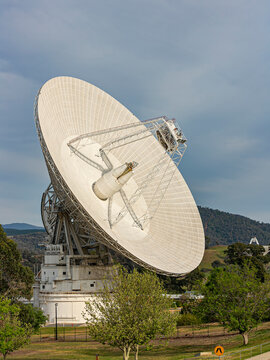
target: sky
205 62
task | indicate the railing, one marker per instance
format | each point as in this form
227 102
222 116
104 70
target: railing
80 334
64 333
203 330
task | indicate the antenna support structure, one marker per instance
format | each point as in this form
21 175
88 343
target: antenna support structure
115 191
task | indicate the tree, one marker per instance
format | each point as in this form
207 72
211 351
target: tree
235 298
131 310
207 242
16 280
13 334
247 255
237 253
191 280
186 283
216 263
32 316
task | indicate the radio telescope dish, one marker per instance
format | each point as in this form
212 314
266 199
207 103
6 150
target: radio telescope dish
115 179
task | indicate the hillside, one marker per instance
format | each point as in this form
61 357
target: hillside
223 228
11 232
21 226
29 241
212 254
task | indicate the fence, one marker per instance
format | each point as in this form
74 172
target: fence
63 334
204 330
70 333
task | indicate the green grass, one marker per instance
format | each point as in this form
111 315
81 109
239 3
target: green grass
212 254
175 349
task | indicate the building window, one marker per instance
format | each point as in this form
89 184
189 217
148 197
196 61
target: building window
89 272
43 286
92 285
64 273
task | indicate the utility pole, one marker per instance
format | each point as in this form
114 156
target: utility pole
56 337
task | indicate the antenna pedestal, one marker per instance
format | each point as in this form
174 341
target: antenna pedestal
74 265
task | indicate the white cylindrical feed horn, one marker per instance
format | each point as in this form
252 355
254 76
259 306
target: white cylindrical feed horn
112 181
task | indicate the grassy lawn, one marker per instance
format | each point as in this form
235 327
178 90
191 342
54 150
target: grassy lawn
175 349
212 254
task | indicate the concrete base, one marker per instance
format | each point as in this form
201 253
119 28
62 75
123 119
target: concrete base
68 281
69 309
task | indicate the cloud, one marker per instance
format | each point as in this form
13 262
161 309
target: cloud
23 179
18 164
205 63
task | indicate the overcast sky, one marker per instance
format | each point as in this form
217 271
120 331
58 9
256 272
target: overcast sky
204 62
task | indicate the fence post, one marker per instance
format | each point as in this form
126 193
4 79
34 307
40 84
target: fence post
64 333
75 333
40 334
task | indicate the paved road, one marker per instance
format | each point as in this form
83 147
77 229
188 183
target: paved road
265 356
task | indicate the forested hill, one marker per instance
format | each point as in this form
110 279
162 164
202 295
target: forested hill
225 228
220 227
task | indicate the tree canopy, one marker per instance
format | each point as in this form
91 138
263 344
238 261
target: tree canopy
13 334
248 255
181 285
16 280
131 310
31 315
236 298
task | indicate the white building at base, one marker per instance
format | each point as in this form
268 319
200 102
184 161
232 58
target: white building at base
68 281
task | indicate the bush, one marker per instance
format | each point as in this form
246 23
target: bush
188 306
187 319
217 263
32 316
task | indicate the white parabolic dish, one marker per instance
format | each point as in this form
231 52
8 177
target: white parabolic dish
172 241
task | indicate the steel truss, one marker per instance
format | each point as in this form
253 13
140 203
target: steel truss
63 230
142 131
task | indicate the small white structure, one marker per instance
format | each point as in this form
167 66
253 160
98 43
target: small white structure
254 241
68 281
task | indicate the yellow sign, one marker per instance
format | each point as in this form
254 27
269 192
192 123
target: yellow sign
219 350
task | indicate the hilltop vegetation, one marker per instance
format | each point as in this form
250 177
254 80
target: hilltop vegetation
223 228
21 226
28 244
